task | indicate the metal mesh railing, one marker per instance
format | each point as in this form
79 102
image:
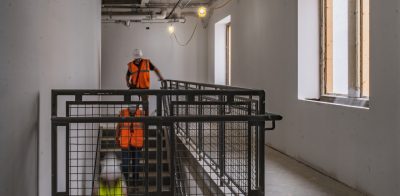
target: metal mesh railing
196 142
227 145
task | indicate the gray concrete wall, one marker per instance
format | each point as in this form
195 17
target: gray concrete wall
74 42
174 61
44 45
19 98
356 146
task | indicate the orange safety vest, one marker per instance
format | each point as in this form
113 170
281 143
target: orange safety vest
143 82
131 134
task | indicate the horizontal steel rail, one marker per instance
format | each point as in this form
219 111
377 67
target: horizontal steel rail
166 120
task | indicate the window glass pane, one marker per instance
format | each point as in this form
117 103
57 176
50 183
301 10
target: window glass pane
340 46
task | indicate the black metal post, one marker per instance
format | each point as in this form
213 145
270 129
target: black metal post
146 148
159 147
54 159
262 146
172 160
249 149
200 129
221 140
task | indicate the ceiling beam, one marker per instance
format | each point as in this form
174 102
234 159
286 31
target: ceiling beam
121 2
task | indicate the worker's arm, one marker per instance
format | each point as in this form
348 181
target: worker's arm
128 75
154 68
117 132
158 74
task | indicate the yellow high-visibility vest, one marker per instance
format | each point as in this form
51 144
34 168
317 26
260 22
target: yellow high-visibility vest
111 191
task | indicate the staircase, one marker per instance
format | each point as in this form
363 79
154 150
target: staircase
108 144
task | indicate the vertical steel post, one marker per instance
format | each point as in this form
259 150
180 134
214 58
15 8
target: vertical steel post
159 146
256 140
67 185
173 157
187 113
53 144
146 148
262 146
54 159
67 142
249 149
221 140
200 128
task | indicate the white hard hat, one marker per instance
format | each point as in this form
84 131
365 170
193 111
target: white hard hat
110 167
137 54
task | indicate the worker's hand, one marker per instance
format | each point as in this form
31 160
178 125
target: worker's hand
128 84
161 79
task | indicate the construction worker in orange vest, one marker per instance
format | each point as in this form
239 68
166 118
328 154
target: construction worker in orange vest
130 137
138 74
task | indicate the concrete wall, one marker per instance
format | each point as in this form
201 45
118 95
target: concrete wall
174 61
44 45
19 98
73 39
356 146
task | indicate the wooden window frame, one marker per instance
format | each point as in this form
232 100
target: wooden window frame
228 47
358 70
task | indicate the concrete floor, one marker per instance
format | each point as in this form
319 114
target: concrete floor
287 177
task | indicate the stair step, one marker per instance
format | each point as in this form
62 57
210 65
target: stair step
154 174
154 161
152 152
152 179
110 142
153 189
111 132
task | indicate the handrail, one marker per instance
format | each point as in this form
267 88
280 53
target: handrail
168 119
209 85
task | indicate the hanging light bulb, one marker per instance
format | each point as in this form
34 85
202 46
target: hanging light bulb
171 29
202 12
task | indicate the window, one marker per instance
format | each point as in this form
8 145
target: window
345 48
222 64
228 53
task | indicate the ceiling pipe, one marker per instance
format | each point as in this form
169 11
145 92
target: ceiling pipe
160 16
153 5
125 22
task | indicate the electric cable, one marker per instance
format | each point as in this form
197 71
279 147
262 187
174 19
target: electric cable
223 5
190 39
183 7
173 9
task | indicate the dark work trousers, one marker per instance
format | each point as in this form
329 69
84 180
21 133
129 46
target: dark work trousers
130 164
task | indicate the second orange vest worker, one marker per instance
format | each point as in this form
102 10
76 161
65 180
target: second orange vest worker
131 134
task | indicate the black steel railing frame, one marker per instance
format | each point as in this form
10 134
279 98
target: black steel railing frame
257 120
257 107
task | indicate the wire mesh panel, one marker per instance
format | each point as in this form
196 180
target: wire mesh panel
196 142
97 162
222 147
98 158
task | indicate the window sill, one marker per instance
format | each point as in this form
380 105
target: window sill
360 103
